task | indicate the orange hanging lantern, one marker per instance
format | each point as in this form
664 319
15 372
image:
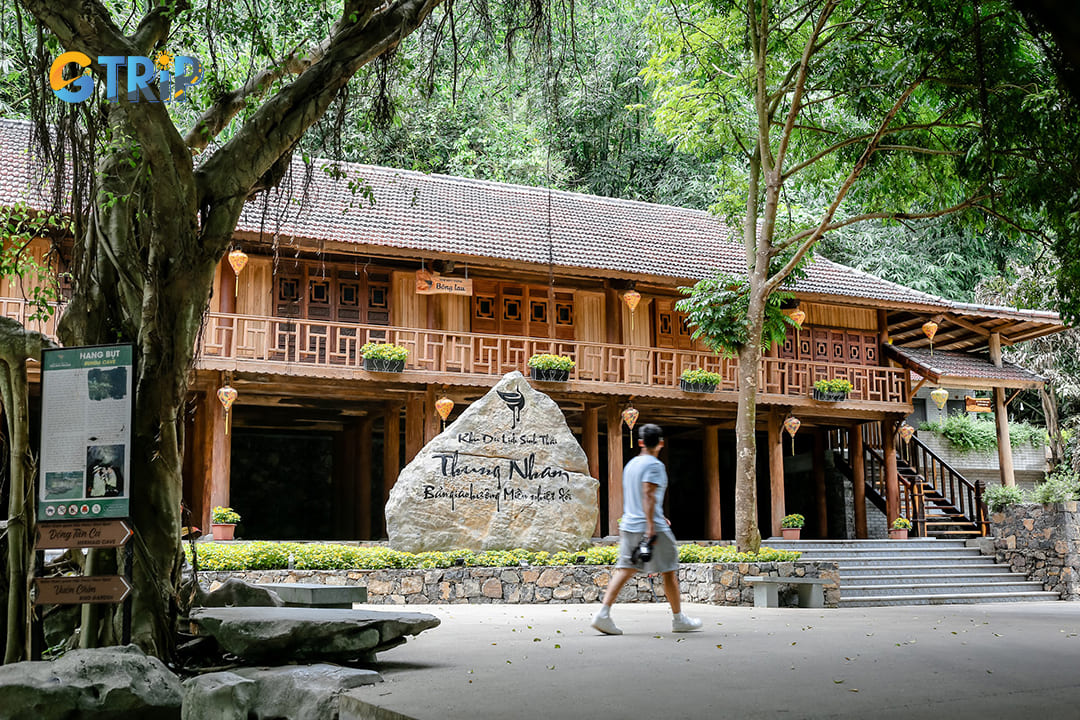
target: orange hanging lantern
940 396
227 396
797 316
930 329
630 416
443 406
906 431
792 425
631 298
238 259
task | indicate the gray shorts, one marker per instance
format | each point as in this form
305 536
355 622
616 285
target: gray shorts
665 554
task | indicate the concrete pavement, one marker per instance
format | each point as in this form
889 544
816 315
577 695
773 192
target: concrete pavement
544 661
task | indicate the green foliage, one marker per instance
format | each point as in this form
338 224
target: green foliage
383 351
1061 486
794 520
261 555
717 310
901 523
839 385
224 515
965 432
697 376
547 361
19 227
999 497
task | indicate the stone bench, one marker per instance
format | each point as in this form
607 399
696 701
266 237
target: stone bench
316 595
767 595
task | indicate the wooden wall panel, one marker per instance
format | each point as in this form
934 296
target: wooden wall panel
452 312
838 316
589 317
640 334
11 286
407 309
256 286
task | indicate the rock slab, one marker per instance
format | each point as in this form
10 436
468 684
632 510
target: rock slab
507 474
307 634
305 692
117 683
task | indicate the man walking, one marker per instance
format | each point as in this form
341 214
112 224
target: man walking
644 483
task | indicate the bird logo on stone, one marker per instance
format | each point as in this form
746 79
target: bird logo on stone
515 401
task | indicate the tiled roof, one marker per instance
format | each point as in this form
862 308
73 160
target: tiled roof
940 365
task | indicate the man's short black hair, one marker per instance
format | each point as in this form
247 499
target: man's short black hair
650 434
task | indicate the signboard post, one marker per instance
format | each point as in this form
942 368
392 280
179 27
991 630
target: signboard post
84 491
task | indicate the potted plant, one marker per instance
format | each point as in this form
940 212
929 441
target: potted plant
699 381
550 368
791 526
899 529
223 522
832 390
384 357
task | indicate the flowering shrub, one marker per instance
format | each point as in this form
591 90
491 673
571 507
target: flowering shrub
839 385
383 351
901 523
697 376
795 520
224 515
261 555
547 361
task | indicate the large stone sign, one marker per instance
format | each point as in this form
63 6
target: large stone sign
506 474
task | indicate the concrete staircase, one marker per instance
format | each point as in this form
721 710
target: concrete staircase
919 571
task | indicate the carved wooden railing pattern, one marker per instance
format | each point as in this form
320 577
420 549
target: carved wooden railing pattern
939 477
266 339
18 309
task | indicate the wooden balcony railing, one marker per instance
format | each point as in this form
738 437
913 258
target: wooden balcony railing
337 345
18 309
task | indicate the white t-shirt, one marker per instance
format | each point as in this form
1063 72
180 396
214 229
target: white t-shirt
643 469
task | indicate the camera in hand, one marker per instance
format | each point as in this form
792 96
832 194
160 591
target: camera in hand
643 551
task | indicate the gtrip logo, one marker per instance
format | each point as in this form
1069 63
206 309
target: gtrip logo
174 76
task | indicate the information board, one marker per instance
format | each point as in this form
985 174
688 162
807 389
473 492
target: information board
86 416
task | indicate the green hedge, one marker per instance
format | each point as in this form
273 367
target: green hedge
260 555
965 432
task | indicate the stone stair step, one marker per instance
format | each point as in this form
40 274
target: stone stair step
917 589
957 599
847 580
888 560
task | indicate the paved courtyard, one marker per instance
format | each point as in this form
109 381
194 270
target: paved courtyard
1018 660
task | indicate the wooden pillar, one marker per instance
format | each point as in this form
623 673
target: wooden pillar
819 484
776 472
227 289
1001 419
892 481
590 443
218 457
615 466
363 480
613 320
711 449
391 452
858 479
414 425
432 423
347 459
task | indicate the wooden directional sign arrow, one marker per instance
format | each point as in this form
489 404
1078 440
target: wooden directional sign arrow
82 534
77 590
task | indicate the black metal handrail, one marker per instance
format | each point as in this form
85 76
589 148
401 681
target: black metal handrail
961 494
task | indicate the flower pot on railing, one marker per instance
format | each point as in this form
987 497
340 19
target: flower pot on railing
829 396
549 374
696 387
383 365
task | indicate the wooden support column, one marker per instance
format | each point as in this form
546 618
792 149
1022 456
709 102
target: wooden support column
892 481
615 466
348 457
819 484
1001 419
776 472
363 480
711 449
414 425
590 443
432 423
218 459
391 453
858 479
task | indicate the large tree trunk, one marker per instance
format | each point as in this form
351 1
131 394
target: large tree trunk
747 533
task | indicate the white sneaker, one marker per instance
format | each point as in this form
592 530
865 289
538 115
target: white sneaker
606 625
682 623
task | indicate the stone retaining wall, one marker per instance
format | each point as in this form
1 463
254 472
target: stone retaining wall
1043 542
716 584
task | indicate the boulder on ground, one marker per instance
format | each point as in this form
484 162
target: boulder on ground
237 593
303 692
307 634
117 683
218 696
